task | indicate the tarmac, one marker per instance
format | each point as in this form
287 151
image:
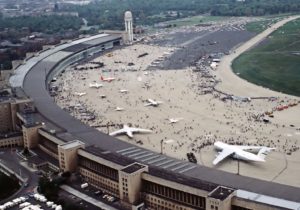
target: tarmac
206 117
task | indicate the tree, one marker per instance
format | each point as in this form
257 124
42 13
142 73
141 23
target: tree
26 151
48 188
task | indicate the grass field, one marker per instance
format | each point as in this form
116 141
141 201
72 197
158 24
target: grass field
276 63
194 20
259 26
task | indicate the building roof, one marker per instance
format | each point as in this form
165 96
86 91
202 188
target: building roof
221 193
76 48
267 200
133 168
33 118
10 135
108 155
71 144
128 15
182 179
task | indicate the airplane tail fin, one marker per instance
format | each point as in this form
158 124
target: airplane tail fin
263 152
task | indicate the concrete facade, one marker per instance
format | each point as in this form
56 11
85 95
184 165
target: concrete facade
130 182
31 136
67 155
11 141
8 113
6 124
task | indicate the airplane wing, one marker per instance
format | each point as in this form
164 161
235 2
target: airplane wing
263 152
140 130
148 104
251 148
129 133
118 132
222 155
151 101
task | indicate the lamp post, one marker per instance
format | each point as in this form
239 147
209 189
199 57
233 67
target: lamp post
238 165
164 141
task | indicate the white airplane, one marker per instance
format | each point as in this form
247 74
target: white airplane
241 152
129 131
124 91
119 109
95 85
79 93
108 79
153 102
175 120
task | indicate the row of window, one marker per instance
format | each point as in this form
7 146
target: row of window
173 194
100 182
99 168
157 203
46 150
214 207
49 145
9 144
5 106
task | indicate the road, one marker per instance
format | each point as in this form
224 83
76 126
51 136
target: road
86 198
10 159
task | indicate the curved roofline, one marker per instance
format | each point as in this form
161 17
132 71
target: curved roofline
182 172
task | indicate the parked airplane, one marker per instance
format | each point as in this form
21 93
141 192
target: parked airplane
95 85
153 102
249 153
119 109
124 91
129 131
108 79
239 98
175 120
79 93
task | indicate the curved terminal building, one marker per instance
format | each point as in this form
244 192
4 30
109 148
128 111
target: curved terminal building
140 178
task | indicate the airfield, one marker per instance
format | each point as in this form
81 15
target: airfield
176 68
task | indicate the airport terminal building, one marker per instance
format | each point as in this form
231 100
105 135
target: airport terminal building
140 178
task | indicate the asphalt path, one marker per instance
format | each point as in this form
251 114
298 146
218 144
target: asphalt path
200 44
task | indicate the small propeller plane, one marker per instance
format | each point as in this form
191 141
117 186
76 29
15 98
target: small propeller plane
174 120
79 93
124 91
95 85
108 79
129 131
119 109
153 102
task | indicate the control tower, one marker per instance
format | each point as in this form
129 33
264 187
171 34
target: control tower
128 27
